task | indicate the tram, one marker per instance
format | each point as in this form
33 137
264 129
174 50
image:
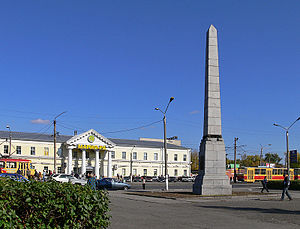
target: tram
252 174
8 165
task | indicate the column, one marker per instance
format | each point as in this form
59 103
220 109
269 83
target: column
97 164
83 166
109 170
70 161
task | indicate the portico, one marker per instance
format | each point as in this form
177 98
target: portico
92 143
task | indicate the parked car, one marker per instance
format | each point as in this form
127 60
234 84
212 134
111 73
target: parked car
14 176
63 178
111 183
136 179
127 179
173 179
187 179
147 178
156 179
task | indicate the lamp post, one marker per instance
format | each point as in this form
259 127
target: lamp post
54 139
131 164
287 142
8 127
261 152
165 142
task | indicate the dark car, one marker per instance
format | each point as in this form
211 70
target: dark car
112 184
173 179
14 176
136 179
147 178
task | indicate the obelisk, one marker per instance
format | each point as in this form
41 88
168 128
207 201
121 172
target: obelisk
212 178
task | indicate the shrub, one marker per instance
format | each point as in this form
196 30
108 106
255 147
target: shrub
51 205
295 185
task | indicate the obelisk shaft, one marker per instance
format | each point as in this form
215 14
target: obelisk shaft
212 105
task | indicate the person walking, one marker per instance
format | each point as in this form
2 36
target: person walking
286 185
264 184
91 181
144 183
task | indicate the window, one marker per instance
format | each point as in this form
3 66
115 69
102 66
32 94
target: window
257 171
155 172
18 149
185 172
175 172
6 149
155 156
46 169
46 151
175 157
2 164
87 154
263 171
32 151
134 172
124 172
74 154
123 155
59 152
113 155
184 157
134 156
275 172
11 165
145 172
145 156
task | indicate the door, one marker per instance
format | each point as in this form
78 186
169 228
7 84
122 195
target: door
269 174
291 174
250 176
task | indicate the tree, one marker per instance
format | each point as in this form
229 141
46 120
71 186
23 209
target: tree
195 161
272 158
250 160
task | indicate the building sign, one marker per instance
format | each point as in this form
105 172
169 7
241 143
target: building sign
91 139
91 147
293 156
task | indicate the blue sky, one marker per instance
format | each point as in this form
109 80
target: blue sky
110 63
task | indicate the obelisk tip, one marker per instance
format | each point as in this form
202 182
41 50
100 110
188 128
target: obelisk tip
212 28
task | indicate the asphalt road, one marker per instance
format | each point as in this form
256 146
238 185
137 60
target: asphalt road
267 212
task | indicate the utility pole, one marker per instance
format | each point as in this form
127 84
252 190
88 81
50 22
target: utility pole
54 139
8 127
234 176
261 153
131 164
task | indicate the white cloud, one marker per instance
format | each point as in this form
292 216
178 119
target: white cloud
194 112
40 121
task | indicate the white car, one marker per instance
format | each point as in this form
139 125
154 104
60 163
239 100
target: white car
63 178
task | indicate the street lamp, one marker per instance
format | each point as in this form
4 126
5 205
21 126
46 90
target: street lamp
131 164
8 127
165 142
287 142
54 139
261 152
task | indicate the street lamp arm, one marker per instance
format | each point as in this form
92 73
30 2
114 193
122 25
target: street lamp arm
157 109
60 115
171 99
275 124
294 123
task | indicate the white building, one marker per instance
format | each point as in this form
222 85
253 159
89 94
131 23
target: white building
92 152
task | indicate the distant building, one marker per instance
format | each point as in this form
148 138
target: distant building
92 152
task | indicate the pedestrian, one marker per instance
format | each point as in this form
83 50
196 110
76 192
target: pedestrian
285 190
44 175
91 181
40 176
264 184
118 177
144 183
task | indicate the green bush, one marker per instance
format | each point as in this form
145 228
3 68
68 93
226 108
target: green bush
295 185
51 205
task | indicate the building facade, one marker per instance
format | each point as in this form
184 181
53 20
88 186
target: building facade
92 152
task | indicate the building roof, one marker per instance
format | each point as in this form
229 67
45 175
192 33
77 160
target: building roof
63 138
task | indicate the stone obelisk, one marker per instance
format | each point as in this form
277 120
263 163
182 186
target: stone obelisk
212 178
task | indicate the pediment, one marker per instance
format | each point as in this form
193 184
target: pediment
90 138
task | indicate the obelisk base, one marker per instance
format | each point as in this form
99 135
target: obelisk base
212 179
212 185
